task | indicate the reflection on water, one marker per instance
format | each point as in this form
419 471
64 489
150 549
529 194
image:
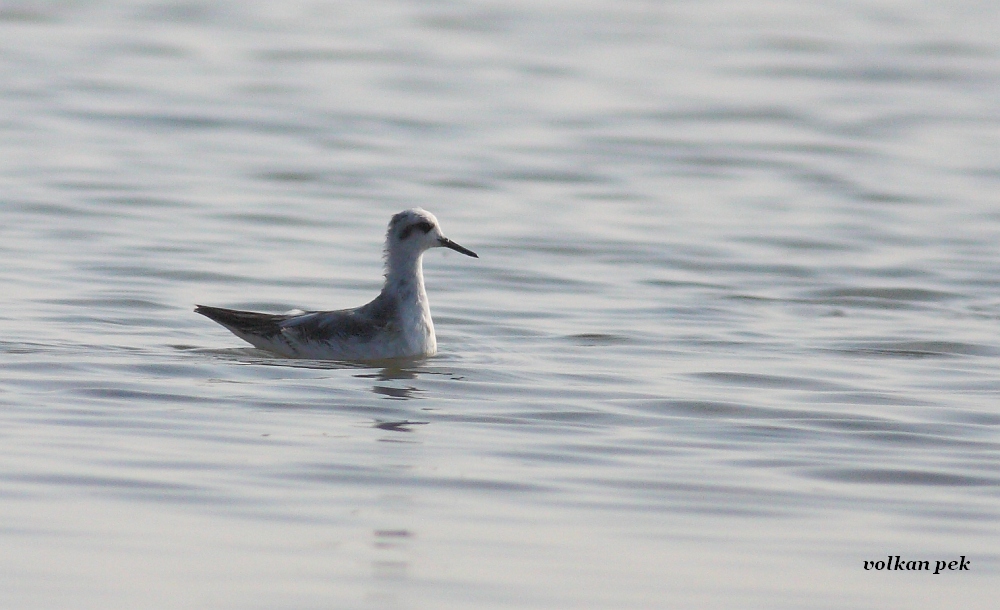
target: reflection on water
734 331
399 426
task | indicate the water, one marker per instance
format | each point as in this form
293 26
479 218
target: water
733 331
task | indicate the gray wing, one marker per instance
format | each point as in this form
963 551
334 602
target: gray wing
327 333
262 325
359 325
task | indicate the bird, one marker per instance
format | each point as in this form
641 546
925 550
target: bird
396 324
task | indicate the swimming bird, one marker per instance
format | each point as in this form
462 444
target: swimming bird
397 324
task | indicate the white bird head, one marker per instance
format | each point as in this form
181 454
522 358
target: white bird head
412 232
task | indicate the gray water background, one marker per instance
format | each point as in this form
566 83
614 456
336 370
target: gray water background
733 331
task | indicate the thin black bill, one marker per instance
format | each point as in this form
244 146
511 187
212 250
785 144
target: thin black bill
447 243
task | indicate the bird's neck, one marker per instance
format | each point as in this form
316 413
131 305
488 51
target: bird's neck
405 277
404 282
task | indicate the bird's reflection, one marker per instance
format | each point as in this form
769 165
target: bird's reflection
394 370
398 393
398 426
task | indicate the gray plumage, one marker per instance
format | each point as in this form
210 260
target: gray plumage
396 324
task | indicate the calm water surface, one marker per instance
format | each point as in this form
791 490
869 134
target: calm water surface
735 328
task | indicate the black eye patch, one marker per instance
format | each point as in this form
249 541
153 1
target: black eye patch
423 225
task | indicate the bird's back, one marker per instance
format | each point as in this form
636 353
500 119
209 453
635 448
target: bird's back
368 332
